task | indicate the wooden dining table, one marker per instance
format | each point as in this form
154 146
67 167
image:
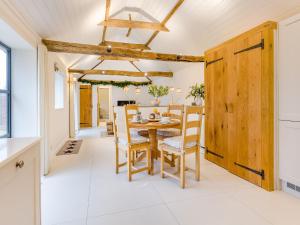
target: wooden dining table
152 127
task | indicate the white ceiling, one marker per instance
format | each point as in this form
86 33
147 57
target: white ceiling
195 27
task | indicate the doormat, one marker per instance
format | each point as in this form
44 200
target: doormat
70 147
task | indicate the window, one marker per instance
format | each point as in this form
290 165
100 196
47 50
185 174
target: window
59 90
5 95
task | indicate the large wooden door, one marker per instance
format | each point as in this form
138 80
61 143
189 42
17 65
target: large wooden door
85 106
215 108
246 142
239 105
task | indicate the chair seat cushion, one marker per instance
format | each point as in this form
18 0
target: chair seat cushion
169 132
135 139
176 142
134 131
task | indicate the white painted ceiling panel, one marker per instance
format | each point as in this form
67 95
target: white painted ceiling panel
195 27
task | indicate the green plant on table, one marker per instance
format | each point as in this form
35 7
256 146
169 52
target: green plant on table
158 91
197 91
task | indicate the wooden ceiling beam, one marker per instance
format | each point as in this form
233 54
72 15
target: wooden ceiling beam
122 73
110 57
133 24
135 83
166 19
107 9
125 45
66 47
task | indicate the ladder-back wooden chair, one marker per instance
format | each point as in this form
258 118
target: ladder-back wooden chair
131 143
187 143
174 112
118 164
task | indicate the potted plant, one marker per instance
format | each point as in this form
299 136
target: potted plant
198 92
156 92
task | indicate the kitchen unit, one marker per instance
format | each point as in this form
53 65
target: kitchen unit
20 181
289 104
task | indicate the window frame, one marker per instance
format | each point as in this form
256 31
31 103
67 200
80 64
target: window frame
8 90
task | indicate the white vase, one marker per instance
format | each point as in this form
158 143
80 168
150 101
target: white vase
198 101
155 102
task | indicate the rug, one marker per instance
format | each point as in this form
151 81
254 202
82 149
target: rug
70 147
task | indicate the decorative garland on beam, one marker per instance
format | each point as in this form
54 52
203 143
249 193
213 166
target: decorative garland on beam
119 84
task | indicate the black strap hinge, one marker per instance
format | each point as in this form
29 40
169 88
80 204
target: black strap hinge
213 153
213 61
259 45
260 173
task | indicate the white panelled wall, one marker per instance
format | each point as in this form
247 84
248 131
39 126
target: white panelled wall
24 93
58 119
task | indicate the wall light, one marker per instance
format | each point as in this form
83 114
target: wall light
138 90
178 90
126 89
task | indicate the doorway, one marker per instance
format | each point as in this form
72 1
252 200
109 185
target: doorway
104 105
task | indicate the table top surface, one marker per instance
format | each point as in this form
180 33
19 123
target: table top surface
155 125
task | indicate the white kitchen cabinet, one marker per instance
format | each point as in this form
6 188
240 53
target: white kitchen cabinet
289 104
289 69
289 154
20 182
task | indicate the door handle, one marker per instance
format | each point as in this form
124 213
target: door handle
20 164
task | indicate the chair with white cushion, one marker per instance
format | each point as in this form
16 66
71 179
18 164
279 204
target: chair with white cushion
131 143
174 112
187 143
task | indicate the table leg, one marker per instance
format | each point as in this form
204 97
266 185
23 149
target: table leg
153 146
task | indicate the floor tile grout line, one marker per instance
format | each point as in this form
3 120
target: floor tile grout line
165 204
127 210
90 188
251 209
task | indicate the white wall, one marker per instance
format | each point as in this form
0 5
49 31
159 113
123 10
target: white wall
185 77
77 107
58 126
16 23
24 93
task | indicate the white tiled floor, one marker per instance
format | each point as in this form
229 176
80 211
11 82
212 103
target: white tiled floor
83 189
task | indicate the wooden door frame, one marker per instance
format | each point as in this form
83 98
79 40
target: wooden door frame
91 101
110 116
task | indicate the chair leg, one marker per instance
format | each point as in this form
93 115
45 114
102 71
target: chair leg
117 160
197 158
149 164
178 164
129 163
162 162
133 158
182 171
173 159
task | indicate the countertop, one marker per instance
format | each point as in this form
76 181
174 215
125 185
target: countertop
11 148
